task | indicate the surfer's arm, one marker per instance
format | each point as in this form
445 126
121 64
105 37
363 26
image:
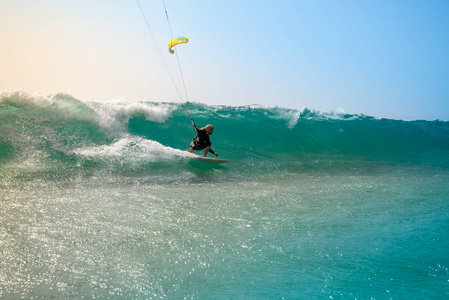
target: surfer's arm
208 149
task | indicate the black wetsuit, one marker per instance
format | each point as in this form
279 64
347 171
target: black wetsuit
201 141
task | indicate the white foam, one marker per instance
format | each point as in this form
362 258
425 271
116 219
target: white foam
131 149
115 115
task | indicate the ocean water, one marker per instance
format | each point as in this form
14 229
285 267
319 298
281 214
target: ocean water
100 200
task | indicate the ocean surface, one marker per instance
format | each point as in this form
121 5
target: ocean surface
101 201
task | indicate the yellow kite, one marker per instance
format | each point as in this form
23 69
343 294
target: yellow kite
176 41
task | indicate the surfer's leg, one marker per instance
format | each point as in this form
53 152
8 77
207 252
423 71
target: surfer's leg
192 147
206 150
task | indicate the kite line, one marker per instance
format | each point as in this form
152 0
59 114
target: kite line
177 58
159 51
173 42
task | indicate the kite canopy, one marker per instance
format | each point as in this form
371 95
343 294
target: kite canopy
176 41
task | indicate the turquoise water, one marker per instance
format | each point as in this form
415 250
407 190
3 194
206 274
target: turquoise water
98 202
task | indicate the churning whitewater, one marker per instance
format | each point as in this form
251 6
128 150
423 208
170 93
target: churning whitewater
101 200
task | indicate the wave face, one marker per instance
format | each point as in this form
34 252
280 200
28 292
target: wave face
56 132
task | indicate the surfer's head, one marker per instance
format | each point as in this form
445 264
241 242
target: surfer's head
208 128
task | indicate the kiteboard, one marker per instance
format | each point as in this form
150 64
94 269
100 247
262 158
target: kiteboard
209 159
206 159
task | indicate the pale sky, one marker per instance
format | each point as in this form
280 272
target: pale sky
380 58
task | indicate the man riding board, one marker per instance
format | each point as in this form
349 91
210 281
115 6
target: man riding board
201 140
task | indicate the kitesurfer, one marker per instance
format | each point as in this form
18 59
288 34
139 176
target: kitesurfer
201 140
